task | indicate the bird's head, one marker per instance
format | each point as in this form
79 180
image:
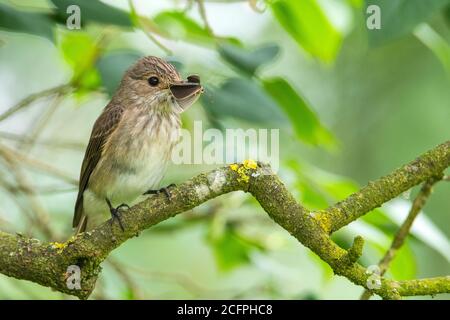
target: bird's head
153 82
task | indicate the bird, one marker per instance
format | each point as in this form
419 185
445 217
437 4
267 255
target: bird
131 141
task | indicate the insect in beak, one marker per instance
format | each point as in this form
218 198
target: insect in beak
186 92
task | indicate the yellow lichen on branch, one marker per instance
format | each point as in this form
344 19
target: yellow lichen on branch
244 170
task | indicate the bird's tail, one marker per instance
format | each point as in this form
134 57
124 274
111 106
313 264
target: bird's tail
82 225
79 218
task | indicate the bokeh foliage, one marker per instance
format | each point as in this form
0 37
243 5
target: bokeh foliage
339 93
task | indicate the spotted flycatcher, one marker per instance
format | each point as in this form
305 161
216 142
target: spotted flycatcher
132 140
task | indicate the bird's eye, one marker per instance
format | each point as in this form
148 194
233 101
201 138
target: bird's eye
153 81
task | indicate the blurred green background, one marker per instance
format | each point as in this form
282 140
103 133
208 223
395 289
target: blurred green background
352 104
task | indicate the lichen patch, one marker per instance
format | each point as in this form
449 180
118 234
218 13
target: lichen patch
245 169
202 191
216 180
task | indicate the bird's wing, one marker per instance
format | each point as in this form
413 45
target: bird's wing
103 127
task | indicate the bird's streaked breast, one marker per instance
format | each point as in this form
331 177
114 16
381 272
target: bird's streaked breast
136 155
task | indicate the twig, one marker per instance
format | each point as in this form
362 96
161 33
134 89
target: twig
99 293
14 189
46 143
39 165
121 270
143 26
254 5
403 231
40 218
19 286
157 42
202 11
31 98
189 4
40 125
29 217
181 279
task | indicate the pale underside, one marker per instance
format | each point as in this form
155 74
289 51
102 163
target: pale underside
134 159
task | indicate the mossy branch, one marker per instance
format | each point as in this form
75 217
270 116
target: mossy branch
428 165
47 263
404 229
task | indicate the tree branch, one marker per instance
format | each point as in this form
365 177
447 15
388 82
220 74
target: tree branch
47 263
403 231
428 165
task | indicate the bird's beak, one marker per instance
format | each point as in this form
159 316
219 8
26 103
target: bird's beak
186 92
185 89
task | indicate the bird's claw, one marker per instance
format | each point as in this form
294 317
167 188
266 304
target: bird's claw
164 189
115 213
123 205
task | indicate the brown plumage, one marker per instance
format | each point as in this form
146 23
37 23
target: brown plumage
132 140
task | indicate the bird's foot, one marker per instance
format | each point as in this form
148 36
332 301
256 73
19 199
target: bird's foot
115 213
164 189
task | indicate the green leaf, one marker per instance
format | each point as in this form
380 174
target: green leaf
399 17
311 194
447 15
76 47
435 42
243 99
340 188
25 22
178 26
94 11
311 197
356 3
248 61
327 271
308 25
231 250
379 219
305 122
423 228
404 266
79 50
113 66
128 294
